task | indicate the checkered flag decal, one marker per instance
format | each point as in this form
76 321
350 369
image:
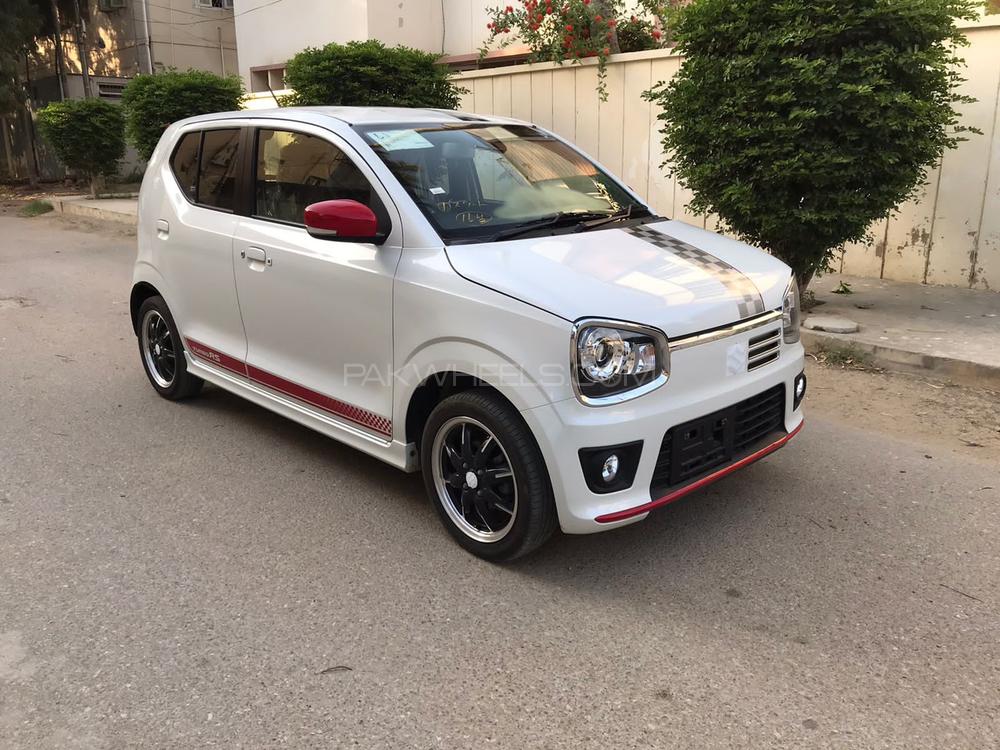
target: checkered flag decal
748 297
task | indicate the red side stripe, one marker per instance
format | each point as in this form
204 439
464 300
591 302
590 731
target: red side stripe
356 414
209 354
329 404
621 515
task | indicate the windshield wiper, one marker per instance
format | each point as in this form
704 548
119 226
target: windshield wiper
620 216
563 217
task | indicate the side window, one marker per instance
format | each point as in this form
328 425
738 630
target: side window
295 170
217 176
184 163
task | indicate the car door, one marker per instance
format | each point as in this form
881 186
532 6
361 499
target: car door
317 312
194 228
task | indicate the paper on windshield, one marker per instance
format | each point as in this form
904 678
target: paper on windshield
399 140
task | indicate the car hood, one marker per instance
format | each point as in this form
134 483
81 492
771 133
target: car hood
667 274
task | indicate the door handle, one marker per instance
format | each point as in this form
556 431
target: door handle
162 228
255 255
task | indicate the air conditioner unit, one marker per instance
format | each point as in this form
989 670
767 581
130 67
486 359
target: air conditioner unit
109 5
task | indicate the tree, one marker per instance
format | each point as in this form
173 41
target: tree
801 122
369 74
19 22
153 102
88 136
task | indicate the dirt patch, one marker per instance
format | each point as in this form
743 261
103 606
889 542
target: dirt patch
94 226
15 302
934 414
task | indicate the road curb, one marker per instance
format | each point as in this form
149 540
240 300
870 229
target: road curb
901 360
81 208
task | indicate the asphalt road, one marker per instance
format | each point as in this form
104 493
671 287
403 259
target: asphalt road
210 575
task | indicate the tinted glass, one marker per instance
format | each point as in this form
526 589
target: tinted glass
185 163
295 170
475 181
217 180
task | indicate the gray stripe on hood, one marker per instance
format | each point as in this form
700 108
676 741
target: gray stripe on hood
748 297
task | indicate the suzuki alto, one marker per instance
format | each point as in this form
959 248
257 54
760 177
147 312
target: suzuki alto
466 296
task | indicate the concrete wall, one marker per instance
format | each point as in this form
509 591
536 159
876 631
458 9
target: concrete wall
186 36
270 33
949 235
413 23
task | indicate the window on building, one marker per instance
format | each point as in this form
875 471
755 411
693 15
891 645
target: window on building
213 3
295 170
267 78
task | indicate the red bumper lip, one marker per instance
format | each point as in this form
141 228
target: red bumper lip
638 510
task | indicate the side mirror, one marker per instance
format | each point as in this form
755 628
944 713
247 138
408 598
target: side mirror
343 220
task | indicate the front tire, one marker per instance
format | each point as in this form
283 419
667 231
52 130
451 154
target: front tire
162 352
486 476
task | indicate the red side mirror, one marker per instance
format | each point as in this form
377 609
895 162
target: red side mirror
344 220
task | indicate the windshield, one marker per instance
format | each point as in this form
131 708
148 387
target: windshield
480 182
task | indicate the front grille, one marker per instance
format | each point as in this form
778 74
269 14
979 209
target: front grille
702 445
764 349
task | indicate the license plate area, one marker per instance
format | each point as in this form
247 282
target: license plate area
701 444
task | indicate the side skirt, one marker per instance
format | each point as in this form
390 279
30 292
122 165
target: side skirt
401 455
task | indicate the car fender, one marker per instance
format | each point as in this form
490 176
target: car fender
460 356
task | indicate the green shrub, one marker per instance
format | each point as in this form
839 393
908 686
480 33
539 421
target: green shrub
153 102
369 74
637 34
800 123
35 208
87 135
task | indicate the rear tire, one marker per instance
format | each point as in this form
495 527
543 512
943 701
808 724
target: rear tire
162 352
486 476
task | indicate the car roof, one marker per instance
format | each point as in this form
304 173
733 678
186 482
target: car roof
359 115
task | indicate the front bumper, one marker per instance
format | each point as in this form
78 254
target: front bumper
702 381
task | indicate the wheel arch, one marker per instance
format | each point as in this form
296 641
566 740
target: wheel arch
441 367
433 390
141 291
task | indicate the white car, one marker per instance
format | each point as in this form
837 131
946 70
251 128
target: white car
467 296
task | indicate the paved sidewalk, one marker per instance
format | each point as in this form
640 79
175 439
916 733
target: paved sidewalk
118 210
952 331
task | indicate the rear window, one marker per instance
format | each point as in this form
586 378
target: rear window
217 173
185 164
204 164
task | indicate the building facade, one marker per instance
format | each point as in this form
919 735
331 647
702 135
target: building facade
121 38
118 39
269 32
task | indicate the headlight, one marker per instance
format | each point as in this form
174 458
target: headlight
615 361
791 313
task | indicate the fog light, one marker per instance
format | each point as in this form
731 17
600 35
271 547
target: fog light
610 469
799 391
